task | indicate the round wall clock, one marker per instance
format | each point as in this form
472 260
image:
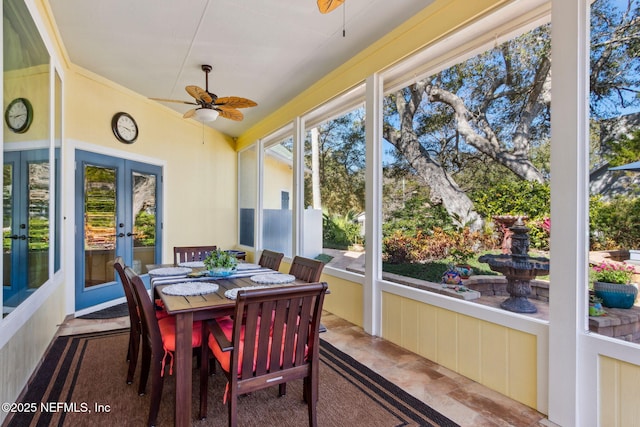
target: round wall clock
124 127
19 115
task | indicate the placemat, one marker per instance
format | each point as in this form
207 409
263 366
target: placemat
273 279
170 271
190 288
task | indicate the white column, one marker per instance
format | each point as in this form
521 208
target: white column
298 186
373 205
569 210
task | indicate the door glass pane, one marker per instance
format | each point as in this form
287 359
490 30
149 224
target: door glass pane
7 226
99 224
145 219
38 226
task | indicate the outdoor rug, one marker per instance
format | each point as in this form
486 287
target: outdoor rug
81 382
118 310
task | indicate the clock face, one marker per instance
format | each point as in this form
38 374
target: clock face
19 115
124 127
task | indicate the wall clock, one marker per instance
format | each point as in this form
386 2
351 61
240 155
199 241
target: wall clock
124 127
19 115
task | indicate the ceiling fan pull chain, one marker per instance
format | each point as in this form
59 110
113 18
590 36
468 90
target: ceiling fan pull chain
344 18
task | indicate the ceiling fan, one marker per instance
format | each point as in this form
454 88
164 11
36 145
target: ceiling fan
210 106
327 6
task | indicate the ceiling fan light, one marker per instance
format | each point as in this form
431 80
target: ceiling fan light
206 114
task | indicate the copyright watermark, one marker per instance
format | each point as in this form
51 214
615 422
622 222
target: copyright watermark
53 407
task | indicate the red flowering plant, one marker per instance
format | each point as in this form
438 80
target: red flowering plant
612 273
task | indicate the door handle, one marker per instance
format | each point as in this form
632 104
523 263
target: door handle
129 234
16 237
120 235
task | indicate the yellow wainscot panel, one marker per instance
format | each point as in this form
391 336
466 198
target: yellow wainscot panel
608 391
523 373
619 390
410 335
344 299
469 360
447 347
392 317
428 332
494 354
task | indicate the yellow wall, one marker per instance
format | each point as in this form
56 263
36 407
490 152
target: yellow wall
498 357
200 174
33 84
618 393
278 177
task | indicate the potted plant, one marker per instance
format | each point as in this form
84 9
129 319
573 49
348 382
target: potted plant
220 263
461 261
612 284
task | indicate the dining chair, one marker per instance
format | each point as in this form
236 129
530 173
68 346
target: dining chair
135 328
270 259
191 253
258 350
158 344
306 269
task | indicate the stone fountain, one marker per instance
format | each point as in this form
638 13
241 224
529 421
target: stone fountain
519 269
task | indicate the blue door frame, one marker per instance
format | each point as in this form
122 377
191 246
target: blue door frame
124 237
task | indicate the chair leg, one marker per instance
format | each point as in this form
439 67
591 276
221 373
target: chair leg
204 377
233 406
134 348
282 389
310 390
144 369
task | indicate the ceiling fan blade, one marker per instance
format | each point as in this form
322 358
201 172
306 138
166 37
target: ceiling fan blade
189 113
231 114
234 102
199 94
174 100
326 6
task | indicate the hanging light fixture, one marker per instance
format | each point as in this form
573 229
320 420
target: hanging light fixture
206 114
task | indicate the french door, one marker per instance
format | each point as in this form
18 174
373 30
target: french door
118 213
25 224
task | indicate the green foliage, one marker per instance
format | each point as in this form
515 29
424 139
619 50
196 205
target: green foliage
416 214
614 224
513 198
423 246
340 231
220 259
612 273
625 150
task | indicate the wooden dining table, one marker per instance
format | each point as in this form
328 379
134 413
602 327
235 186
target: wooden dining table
188 309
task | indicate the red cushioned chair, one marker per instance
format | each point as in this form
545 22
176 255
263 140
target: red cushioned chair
282 346
158 344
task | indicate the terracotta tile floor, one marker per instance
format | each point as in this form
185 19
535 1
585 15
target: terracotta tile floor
461 399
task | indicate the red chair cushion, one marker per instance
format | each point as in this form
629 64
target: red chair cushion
168 331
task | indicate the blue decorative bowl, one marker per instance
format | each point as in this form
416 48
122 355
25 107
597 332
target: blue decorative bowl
221 272
615 295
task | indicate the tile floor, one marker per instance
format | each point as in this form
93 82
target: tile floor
461 399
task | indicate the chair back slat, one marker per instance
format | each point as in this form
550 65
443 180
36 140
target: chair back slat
280 322
134 317
271 259
191 253
306 269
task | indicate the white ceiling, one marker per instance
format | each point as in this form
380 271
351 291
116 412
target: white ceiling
264 50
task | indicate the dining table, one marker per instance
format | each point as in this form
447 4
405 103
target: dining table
205 306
